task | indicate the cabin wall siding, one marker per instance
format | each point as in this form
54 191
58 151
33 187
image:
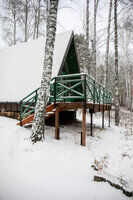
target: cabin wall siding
9 107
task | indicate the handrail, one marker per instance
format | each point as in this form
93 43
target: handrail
79 74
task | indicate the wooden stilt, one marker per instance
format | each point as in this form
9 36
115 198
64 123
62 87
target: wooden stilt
91 114
74 114
109 116
57 124
103 117
81 138
84 127
91 111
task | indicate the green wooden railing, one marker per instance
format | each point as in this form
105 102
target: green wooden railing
69 88
27 104
77 88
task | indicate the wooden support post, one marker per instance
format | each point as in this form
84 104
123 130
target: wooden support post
109 116
84 127
74 114
57 124
81 139
103 117
91 111
91 123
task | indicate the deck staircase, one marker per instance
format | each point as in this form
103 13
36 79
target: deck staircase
50 111
72 88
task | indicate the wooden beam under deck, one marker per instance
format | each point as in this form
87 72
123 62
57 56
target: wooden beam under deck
74 106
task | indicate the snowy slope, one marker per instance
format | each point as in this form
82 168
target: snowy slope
60 170
21 66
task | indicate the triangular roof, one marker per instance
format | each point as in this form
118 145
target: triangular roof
21 66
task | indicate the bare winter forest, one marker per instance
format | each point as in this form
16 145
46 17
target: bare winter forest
98 43
24 20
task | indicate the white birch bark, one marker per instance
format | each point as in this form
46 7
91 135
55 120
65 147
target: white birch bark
94 38
26 20
87 53
107 43
35 24
14 29
116 65
39 123
38 19
47 13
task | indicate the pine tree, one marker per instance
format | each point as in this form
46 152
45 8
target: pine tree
39 123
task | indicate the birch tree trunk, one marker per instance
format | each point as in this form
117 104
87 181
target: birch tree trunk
107 44
39 122
35 24
47 13
87 60
26 20
38 19
14 29
116 65
94 39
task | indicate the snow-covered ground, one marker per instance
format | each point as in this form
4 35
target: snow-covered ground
62 170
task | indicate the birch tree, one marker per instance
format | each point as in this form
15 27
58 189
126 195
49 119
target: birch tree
39 16
36 8
26 19
87 53
126 61
94 38
35 20
108 40
116 65
39 122
10 18
80 50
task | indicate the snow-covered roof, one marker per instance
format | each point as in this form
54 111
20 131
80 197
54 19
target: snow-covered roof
21 66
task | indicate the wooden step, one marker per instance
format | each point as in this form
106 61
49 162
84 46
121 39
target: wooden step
30 118
27 120
50 111
50 108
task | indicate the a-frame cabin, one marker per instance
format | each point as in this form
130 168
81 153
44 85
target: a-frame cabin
21 68
69 90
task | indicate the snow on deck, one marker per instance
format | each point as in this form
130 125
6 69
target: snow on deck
61 170
21 66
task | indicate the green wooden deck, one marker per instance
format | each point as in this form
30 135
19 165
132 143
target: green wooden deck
71 88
